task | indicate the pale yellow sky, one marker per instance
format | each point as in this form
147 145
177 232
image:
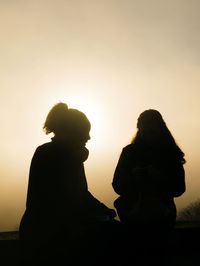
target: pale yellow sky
111 59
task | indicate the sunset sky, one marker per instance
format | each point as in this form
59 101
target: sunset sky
111 59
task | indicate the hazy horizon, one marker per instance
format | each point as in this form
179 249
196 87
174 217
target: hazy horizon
112 59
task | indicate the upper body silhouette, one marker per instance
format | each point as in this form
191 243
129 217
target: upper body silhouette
149 174
58 199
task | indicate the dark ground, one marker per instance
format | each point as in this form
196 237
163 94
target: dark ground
182 249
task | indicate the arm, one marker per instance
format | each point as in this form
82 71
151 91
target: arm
169 180
121 174
127 175
35 182
91 204
177 180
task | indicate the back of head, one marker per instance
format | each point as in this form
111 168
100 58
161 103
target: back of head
150 117
77 121
56 117
153 129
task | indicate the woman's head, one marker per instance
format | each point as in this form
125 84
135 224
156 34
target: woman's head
151 126
67 124
153 131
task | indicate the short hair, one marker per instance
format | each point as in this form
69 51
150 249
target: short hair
61 118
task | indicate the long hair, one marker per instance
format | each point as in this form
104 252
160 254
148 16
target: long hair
166 141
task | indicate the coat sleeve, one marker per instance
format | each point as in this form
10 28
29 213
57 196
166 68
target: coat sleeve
119 182
174 180
123 179
35 182
179 184
89 203
170 181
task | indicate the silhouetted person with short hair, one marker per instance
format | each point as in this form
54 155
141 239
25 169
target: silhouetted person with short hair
59 205
148 176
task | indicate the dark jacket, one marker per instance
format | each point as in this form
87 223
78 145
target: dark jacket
58 195
148 190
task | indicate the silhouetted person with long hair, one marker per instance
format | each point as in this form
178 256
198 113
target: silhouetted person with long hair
59 205
148 176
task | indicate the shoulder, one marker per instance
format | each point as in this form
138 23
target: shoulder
44 149
129 149
48 155
128 152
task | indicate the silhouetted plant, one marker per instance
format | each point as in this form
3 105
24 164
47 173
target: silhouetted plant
190 213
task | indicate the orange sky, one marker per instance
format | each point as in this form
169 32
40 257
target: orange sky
111 59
